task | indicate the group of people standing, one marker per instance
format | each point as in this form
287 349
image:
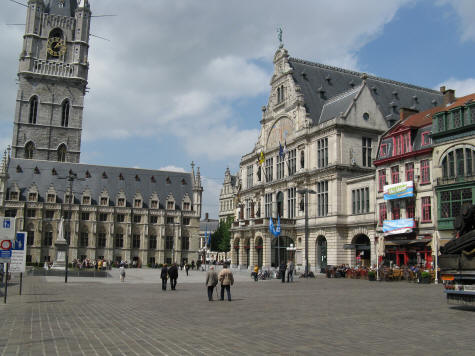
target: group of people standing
226 279
287 269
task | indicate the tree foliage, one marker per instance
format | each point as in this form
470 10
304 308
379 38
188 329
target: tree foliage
221 238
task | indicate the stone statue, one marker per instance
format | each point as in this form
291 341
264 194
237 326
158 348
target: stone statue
279 36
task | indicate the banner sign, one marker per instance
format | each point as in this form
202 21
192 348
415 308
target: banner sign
401 226
274 230
18 260
399 190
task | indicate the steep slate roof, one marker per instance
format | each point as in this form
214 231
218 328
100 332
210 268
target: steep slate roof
339 104
210 225
320 83
134 181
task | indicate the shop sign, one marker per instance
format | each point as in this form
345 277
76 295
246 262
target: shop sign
399 190
401 226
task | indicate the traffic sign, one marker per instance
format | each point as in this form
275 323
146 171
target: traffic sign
18 258
5 251
7 228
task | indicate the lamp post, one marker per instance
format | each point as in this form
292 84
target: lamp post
71 178
306 192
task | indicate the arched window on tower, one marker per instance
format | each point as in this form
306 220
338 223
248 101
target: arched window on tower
29 150
65 113
62 153
33 110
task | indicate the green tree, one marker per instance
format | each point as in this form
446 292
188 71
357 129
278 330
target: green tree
221 238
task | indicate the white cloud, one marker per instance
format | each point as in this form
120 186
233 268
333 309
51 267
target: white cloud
462 87
211 190
177 69
465 9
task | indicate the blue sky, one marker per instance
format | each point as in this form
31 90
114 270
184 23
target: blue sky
185 80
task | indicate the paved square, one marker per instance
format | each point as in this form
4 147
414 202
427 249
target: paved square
308 317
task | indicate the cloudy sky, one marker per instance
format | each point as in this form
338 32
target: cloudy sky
184 80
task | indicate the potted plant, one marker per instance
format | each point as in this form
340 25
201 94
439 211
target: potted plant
371 275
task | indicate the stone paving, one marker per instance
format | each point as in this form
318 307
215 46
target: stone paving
308 317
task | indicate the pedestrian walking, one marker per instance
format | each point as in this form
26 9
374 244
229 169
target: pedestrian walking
282 269
164 276
122 273
187 268
173 273
290 271
255 272
211 282
192 264
227 280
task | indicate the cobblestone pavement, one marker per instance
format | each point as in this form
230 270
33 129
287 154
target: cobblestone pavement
308 317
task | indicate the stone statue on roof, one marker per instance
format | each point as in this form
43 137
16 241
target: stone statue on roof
279 36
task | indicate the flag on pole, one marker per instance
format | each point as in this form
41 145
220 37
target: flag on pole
277 229
274 230
261 158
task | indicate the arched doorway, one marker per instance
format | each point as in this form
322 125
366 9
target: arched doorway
321 253
362 254
279 250
259 251
280 204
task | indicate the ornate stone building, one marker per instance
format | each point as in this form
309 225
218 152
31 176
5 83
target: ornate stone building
115 213
227 196
319 131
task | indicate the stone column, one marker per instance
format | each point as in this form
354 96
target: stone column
252 253
242 254
266 253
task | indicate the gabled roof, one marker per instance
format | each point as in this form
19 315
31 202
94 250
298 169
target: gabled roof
459 102
102 178
338 104
319 83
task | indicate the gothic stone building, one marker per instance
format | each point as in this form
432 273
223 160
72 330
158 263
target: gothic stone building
319 131
114 213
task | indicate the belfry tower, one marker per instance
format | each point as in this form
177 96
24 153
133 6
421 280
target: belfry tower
52 78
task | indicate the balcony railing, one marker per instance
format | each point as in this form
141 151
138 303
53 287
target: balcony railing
52 68
262 222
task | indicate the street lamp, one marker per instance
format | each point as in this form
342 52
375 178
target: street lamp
306 192
71 178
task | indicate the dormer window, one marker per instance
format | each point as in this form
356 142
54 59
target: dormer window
86 200
32 196
121 202
104 175
186 206
183 181
137 203
88 175
13 195
170 205
426 139
68 199
51 198
121 177
154 204
104 201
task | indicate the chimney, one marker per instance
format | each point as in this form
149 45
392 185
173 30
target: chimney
206 217
449 95
404 113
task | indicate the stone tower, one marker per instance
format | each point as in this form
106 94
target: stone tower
52 78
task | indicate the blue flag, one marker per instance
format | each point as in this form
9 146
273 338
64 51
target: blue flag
277 229
274 230
209 239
